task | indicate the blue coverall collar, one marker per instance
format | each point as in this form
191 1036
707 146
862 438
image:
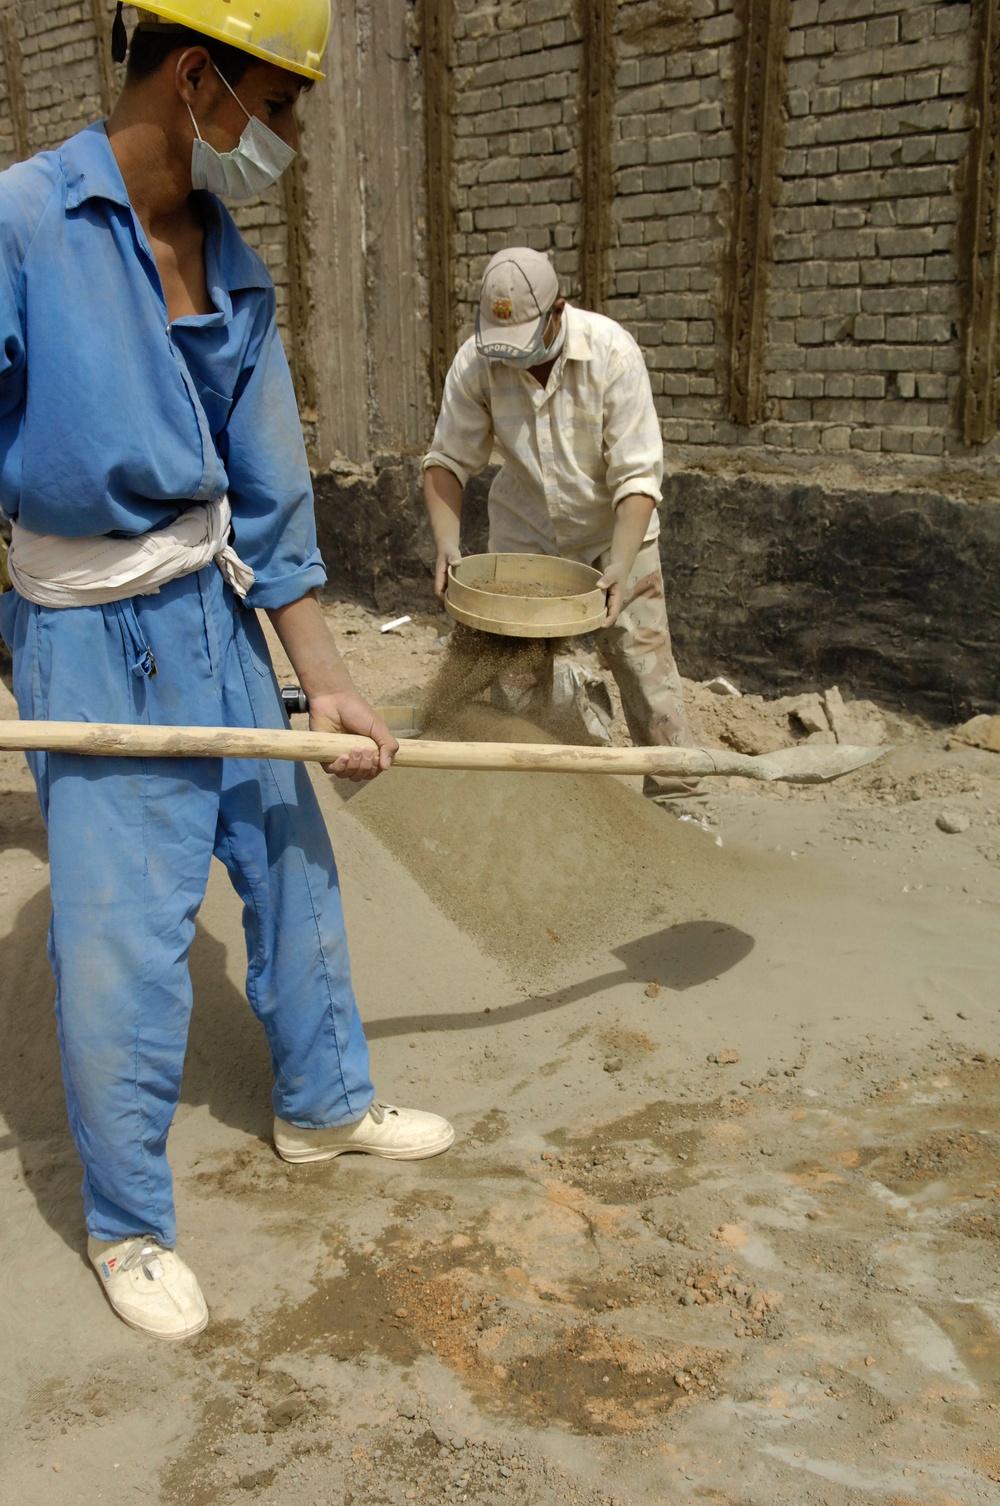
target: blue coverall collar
93 173
91 169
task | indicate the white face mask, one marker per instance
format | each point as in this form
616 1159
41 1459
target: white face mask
540 352
257 161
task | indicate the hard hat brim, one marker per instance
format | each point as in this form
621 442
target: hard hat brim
266 54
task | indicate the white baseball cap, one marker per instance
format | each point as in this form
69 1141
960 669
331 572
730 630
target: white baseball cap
518 291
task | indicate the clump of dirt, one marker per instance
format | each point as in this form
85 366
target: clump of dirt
954 1155
747 725
750 1307
753 724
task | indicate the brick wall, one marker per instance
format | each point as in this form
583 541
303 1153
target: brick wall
60 71
672 158
516 65
863 311
8 135
865 308
265 227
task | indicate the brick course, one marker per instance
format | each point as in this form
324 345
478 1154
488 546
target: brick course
878 121
863 310
515 137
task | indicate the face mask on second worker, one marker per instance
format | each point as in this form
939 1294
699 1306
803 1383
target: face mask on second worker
258 159
540 352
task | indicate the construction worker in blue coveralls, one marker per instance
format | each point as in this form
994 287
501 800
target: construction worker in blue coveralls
152 467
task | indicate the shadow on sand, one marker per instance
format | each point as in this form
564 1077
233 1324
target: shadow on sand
677 958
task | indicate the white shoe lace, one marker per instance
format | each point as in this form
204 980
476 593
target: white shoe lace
146 1254
379 1110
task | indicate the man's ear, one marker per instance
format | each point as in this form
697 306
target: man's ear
193 68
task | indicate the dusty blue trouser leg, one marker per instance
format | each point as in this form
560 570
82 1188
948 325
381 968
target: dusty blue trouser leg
130 845
274 842
129 850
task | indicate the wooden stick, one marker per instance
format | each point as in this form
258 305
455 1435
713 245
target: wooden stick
108 740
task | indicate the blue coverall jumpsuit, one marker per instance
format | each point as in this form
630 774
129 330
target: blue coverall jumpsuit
113 420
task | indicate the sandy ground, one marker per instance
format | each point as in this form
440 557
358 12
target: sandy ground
722 1220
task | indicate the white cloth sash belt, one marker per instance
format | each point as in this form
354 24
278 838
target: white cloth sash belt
57 572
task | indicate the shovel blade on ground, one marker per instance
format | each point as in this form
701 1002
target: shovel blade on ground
816 765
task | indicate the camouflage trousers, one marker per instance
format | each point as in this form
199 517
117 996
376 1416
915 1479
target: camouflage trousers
638 653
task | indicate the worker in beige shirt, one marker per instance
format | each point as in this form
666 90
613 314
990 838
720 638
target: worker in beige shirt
562 398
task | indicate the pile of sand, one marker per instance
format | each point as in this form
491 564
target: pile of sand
544 868
541 869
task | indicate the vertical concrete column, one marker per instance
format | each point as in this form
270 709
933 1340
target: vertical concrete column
14 69
597 107
358 329
100 11
981 356
436 55
329 314
759 132
392 190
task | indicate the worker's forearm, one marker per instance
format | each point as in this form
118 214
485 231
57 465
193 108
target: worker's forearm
334 703
632 517
309 645
443 500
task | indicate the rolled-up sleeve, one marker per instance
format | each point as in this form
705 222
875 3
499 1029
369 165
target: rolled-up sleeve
633 444
463 436
270 488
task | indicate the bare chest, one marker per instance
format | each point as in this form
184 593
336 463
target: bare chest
180 261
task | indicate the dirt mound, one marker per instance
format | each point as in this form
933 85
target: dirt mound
753 724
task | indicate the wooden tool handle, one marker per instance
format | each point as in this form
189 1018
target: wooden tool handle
107 740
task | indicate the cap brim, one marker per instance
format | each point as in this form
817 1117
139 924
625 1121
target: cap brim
494 339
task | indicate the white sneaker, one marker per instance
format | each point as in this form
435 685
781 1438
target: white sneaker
150 1288
398 1134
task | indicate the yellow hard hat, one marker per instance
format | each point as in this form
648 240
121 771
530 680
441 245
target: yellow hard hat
290 33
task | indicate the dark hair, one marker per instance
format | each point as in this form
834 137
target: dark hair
152 45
